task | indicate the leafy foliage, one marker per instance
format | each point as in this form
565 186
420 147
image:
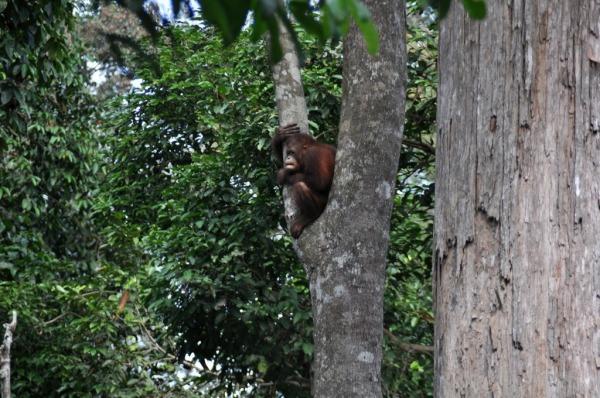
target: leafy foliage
71 341
326 19
191 155
193 158
48 149
168 194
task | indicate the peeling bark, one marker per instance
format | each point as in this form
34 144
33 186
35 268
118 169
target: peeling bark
344 251
517 252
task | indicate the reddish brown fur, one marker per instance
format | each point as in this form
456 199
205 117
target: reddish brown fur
307 166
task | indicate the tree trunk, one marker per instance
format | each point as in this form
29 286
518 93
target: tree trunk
289 92
289 96
517 252
344 251
9 329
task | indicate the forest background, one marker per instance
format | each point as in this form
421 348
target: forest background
155 185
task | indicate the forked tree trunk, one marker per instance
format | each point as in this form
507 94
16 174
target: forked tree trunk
517 235
344 251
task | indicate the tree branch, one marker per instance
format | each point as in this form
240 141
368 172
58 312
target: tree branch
427 148
409 347
9 329
291 107
57 318
289 91
202 368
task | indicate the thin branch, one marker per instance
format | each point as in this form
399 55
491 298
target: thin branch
427 148
93 292
170 356
55 319
289 381
9 329
409 347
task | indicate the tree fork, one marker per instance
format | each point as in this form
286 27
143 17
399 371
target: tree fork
344 251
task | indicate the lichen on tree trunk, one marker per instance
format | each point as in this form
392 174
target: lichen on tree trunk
517 252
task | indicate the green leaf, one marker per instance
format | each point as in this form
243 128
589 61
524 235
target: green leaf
362 17
475 8
26 204
369 30
415 366
307 348
305 16
228 16
6 96
61 289
337 9
262 366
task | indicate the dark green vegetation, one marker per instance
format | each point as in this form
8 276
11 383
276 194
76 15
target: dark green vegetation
324 19
58 266
169 192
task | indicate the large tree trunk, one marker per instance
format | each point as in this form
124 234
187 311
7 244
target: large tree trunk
344 251
517 236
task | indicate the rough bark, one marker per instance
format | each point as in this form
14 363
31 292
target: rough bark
517 252
347 282
9 329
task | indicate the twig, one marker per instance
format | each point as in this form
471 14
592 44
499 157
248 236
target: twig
289 381
168 355
429 149
92 292
56 318
410 347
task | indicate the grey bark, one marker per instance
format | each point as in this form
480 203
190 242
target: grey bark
289 96
517 252
344 251
9 329
289 92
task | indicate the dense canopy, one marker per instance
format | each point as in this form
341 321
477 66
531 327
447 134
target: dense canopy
141 232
